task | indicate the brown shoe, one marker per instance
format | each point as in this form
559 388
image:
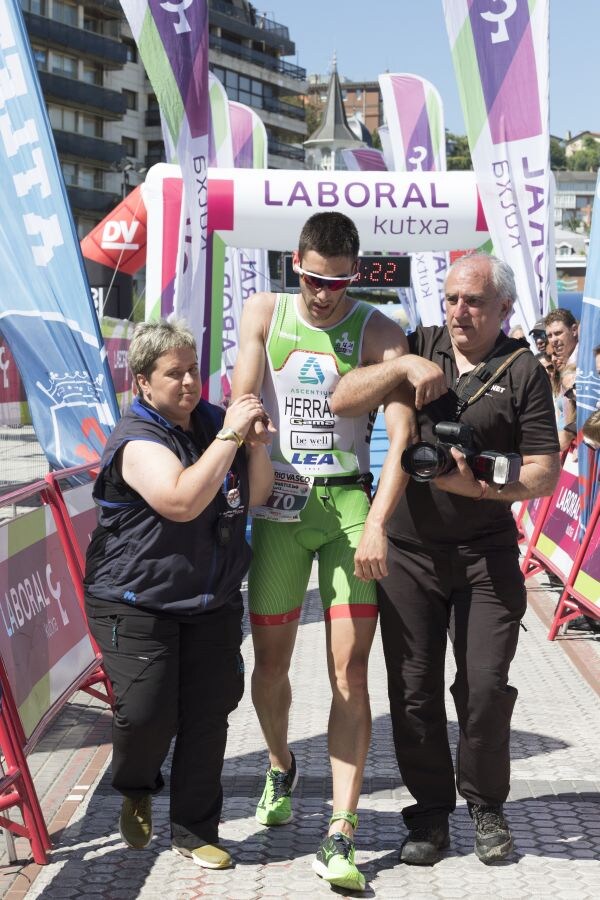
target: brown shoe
208 856
135 823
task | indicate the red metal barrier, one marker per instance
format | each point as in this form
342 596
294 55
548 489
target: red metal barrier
16 785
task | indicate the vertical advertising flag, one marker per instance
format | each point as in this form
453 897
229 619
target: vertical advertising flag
500 55
250 269
417 142
588 379
364 159
173 43
47 317
223 258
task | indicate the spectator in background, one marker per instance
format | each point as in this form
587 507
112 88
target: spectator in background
562 332
597 359
538 332
517 332
545 360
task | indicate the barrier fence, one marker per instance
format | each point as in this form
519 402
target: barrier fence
557 542
46 651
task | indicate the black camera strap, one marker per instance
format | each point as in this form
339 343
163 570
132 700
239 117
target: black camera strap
489 370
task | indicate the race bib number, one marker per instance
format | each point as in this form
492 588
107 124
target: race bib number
289 496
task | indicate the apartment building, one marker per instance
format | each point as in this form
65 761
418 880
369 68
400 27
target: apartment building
102 109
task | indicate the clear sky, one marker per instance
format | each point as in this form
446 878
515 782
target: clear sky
372 36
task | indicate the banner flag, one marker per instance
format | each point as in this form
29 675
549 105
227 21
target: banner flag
501 62
47 317
173 43
386 147
250 268
220 155
415 119
588 377
364 159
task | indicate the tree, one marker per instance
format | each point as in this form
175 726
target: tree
458 155
557 154
587 159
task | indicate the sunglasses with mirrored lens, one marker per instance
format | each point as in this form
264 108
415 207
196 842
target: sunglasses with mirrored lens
320 282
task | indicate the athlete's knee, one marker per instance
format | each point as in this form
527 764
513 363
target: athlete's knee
350 675
270 665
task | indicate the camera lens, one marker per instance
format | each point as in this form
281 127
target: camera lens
424 461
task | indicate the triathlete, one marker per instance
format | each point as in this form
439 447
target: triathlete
294 348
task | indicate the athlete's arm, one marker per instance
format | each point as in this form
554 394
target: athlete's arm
370 556
385 364
249 370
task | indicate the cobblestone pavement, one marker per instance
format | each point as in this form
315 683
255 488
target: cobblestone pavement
554 805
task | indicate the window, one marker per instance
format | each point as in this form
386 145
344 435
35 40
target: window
131 98
91 126
65 13
40 56
129 146
132 54
64 65
92 73
83 176
34 6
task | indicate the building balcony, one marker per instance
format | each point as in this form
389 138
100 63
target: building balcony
280 149
263 60
112 9
86 97
106 50
88 200
90 149
284 109
252 25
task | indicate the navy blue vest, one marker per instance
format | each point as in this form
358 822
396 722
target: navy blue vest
138 557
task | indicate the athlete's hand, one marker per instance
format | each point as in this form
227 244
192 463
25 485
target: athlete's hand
371 554
243 413
260 431
427 379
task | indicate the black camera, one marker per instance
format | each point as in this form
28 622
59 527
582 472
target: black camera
424 461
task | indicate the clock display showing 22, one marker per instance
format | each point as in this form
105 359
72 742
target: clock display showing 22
383 272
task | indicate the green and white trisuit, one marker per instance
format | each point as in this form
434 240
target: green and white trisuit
305 516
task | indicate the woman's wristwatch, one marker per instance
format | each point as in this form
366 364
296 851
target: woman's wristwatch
228 434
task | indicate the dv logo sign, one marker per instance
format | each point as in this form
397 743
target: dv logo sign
118 234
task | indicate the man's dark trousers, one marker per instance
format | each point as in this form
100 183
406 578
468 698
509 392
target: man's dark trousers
477 596
173 678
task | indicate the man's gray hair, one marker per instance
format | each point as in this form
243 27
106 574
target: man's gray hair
502 276
152 339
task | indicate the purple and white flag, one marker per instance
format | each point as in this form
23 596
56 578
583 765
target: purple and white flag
250 269
173 43
500 54
417 142
364 159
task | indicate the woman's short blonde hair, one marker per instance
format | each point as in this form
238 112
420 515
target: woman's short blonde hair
152 339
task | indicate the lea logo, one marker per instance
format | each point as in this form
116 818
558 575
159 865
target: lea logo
344 345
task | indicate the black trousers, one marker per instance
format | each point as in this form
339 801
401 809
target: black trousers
179 680
478 598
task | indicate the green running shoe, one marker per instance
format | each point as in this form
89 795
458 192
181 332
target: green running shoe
275 805
334 863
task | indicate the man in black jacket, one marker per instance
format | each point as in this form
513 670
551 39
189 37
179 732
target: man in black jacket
452 563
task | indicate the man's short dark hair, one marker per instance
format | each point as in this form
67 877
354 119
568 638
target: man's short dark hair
330 234
561 315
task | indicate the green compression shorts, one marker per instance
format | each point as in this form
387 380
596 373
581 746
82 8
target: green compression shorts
283 553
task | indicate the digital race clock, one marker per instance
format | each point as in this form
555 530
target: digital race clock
375 272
